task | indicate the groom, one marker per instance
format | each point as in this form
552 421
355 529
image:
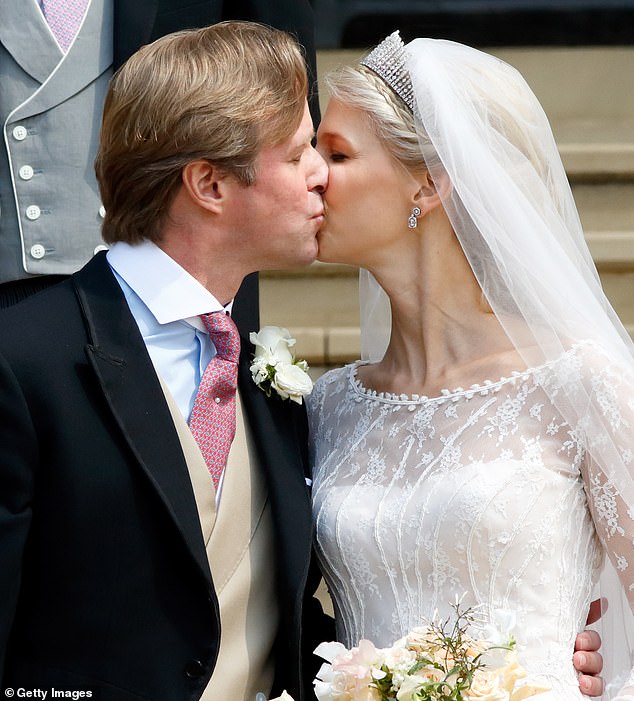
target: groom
132 565
137 563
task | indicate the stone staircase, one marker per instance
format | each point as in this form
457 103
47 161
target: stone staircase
588 94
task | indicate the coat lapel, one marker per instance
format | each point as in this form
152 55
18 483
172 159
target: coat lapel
132 389
279 433
67 79
23 27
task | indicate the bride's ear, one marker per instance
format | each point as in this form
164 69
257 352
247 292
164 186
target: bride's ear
431 191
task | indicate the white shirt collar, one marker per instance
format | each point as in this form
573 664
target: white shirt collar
166 289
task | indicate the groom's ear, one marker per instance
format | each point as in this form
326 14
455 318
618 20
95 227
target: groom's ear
432 191
206 185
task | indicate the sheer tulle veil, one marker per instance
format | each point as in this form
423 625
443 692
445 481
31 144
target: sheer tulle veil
512 209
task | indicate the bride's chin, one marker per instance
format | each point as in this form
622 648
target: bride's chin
329 253
322 248
323 254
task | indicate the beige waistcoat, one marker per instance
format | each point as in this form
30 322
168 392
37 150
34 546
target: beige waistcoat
238 537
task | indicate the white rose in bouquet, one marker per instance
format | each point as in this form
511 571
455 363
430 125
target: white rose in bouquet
486 687
445 659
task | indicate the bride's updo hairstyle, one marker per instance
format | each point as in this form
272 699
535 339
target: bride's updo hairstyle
404 138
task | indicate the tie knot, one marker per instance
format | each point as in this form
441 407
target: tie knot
224 335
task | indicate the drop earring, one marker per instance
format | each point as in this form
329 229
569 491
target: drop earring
412 222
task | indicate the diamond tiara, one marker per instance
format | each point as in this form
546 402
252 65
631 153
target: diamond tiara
387 60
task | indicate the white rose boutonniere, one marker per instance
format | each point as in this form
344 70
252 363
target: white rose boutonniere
275 367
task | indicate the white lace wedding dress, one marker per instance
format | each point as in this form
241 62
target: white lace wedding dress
483 491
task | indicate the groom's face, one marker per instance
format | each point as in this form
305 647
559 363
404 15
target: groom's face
277 218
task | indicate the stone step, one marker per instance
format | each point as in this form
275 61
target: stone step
594 155
588 95
605 206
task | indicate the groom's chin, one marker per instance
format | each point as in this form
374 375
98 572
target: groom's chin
322 255
300 258
309 256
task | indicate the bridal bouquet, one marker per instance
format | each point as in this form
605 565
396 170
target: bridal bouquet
440 661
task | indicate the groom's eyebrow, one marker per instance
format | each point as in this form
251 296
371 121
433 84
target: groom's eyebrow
304 139
308 141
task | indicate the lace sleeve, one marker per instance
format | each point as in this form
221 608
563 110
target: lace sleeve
612 511
608 435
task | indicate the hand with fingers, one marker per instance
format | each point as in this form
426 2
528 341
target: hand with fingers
586 659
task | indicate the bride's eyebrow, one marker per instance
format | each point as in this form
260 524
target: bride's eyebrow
334 136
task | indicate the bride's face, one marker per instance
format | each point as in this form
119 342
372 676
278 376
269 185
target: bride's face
368 198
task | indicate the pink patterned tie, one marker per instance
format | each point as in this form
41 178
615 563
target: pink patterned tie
213 418
64 18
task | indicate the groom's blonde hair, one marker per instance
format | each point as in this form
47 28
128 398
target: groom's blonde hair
220 93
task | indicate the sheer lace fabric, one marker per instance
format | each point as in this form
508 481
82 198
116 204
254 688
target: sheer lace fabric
486 492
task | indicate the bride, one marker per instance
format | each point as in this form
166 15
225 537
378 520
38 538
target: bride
484 446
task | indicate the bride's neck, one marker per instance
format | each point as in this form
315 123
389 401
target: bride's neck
443 332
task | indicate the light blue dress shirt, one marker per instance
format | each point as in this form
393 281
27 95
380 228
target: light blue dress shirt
166 303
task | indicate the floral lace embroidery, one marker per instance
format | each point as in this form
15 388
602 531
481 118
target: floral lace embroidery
486 491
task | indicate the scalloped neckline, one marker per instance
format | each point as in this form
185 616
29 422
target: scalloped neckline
482 389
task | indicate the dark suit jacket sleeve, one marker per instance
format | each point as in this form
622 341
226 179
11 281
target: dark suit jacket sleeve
17 457
318 628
